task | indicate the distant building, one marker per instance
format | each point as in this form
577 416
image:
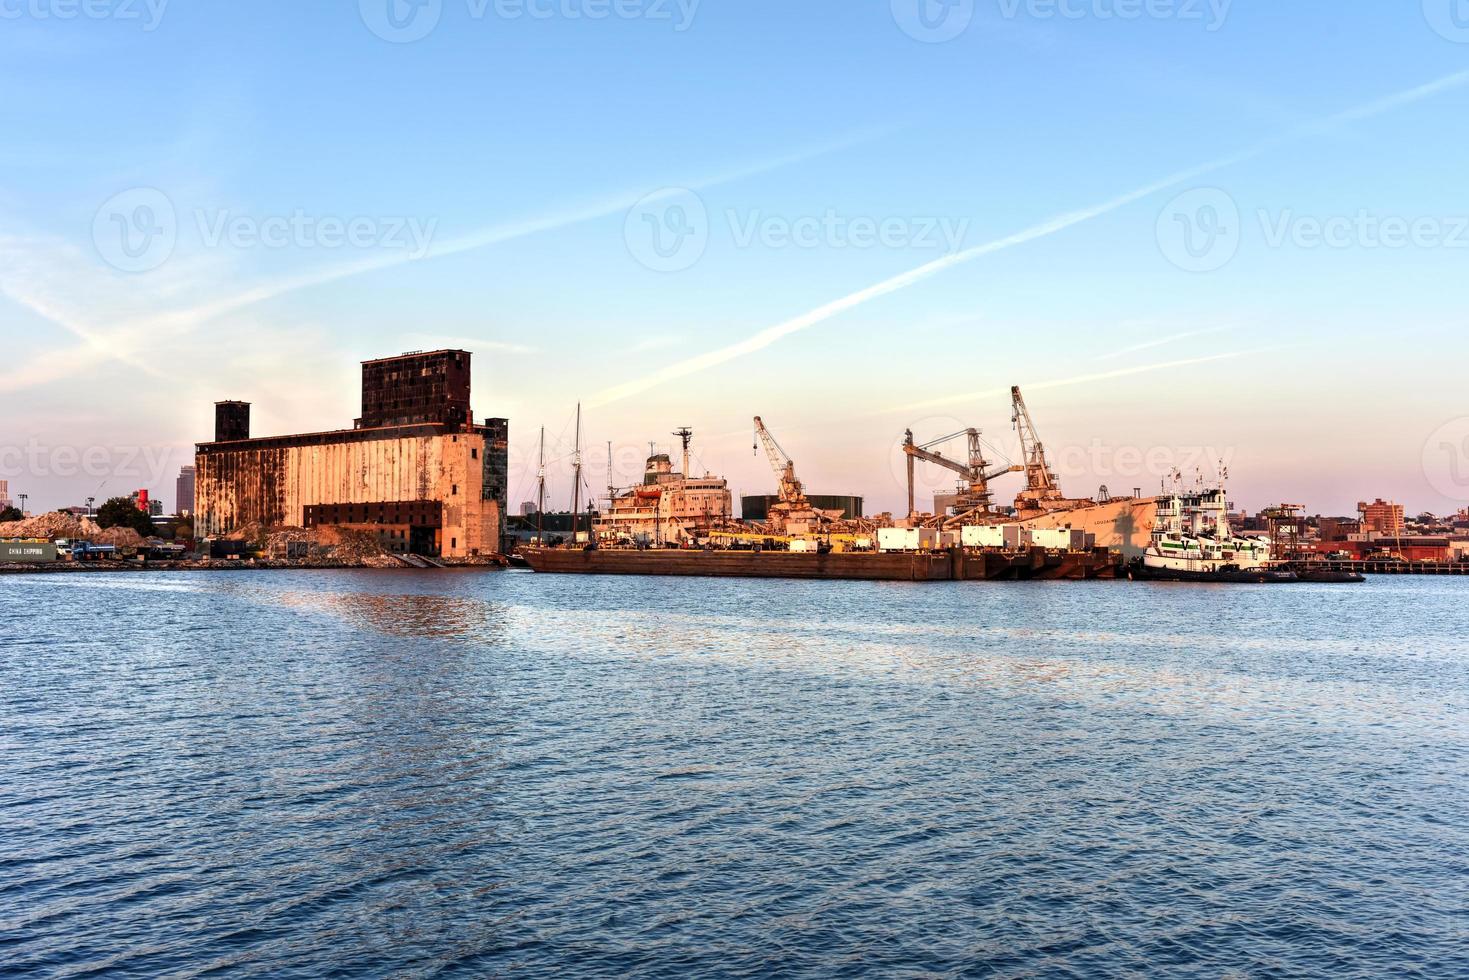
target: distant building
415 468
1381 517
527 508
183 493
4 494
1339 528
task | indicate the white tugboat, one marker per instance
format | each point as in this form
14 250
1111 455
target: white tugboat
1193 542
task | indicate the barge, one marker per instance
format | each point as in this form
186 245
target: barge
956 564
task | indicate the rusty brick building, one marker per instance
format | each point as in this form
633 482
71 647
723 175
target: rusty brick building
415 468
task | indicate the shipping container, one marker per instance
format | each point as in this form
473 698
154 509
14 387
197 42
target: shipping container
27 551
1052 539
983 536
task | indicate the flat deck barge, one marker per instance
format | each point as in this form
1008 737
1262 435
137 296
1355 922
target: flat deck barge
936 566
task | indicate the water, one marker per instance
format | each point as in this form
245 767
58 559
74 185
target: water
392 773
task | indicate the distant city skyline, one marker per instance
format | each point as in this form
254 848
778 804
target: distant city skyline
1201 233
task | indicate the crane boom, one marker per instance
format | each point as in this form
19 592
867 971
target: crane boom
976 472
1038 474
791 491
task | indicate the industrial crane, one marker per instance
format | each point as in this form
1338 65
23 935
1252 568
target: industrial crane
976 472
792 494
1040 479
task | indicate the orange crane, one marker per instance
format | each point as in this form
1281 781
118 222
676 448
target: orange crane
792 494
1040 480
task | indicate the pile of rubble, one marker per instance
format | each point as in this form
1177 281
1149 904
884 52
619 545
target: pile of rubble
118 537
53 526
348 546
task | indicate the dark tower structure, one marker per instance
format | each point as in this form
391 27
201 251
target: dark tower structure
231 421
416 389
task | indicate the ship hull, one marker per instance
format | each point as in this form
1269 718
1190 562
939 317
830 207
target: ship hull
1124 525
1143 572
941 566
873 567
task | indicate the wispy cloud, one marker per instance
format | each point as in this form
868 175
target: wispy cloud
1045 229
115 319
973 396
1158 342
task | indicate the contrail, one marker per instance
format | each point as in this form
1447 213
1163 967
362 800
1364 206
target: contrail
1159 342
1045 229
501 233
1078 379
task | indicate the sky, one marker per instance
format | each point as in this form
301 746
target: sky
1196 232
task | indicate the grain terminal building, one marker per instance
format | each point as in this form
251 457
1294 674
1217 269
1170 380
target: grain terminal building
415 468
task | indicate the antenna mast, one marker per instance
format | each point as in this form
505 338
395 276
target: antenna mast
685 434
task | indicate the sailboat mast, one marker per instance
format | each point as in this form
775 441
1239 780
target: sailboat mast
541 492
576 487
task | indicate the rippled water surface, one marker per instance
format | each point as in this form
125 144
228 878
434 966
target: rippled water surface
398 773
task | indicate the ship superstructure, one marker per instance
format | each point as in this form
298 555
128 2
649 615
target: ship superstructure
668 508
1192 539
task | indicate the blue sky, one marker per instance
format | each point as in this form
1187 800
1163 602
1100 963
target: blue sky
1193 231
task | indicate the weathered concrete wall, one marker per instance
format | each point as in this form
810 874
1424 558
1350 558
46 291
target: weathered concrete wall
273 485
